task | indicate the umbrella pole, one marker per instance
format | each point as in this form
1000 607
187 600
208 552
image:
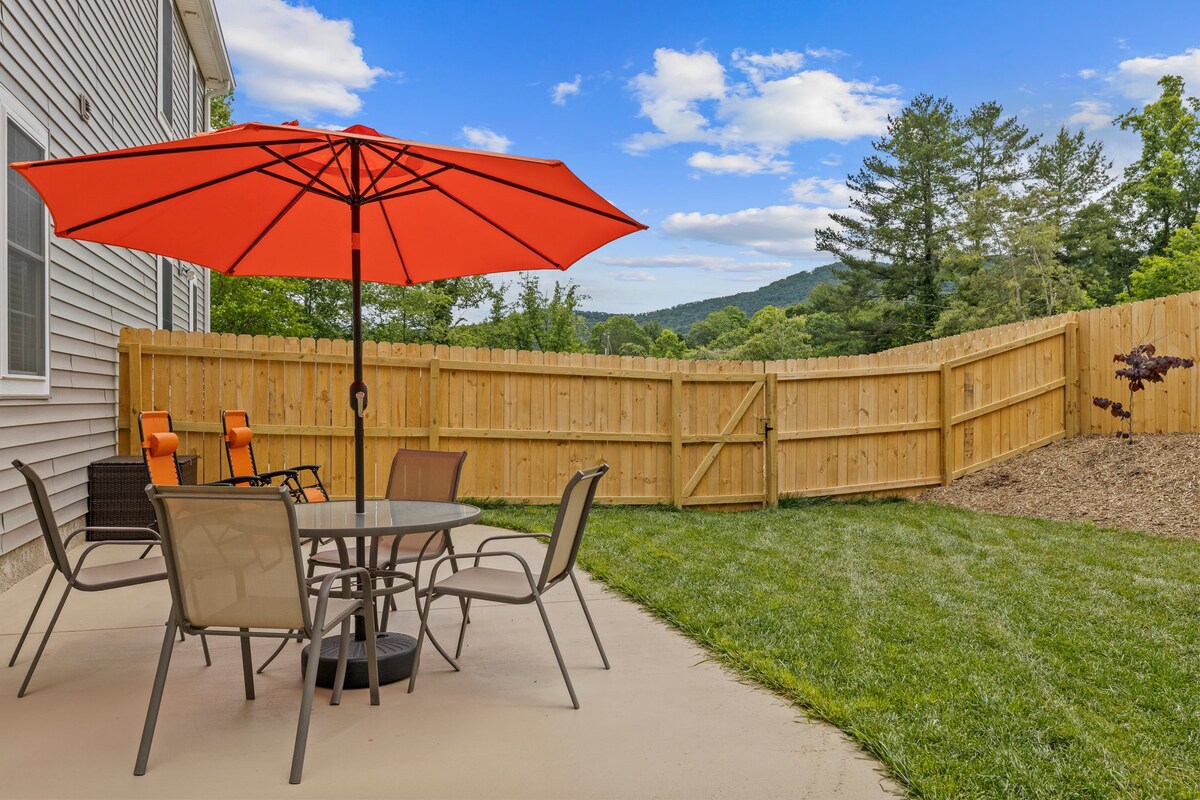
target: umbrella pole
358 389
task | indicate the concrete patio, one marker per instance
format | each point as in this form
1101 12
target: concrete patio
664 722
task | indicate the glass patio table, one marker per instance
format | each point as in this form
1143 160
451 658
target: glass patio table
337 520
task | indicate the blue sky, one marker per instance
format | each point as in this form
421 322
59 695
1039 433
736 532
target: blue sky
728 128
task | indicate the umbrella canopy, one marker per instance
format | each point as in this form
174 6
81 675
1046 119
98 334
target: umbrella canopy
259 199
285 200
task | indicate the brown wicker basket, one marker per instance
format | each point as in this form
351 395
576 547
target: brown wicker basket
117 493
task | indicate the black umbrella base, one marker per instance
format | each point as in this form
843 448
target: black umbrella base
394 651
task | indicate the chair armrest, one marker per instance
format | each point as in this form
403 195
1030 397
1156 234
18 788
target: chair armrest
367 602
146 533
509 536
477 556
310 467
279 473
235 480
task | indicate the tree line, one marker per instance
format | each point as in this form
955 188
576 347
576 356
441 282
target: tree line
957 221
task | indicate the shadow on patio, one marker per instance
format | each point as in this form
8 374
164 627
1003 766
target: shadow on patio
663 722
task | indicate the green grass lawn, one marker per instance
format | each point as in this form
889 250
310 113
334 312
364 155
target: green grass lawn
976 655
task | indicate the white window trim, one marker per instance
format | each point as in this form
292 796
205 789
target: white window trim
163 19
22 386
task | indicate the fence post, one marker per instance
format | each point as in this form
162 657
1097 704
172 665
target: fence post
677 439
435 375
135 396
1071 372
772 454
947 423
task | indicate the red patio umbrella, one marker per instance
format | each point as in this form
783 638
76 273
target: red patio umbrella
284 200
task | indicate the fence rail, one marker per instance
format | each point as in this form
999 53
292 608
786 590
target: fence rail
674 432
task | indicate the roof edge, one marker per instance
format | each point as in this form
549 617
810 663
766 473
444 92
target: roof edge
202 26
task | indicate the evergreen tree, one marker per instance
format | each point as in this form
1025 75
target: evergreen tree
905 199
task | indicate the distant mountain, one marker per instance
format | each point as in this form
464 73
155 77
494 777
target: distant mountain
782 293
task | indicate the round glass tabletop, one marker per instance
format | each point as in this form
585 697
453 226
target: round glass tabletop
381 517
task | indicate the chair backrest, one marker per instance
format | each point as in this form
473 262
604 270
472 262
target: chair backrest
159 443
238 450
568 527
45 515
425 475
233 557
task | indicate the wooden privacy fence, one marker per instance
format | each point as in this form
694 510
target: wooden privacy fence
707 433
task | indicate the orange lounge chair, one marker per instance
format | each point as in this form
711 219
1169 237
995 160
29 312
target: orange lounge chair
159 446
240 452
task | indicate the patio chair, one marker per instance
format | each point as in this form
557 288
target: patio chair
415 475
521 587
235 569
84 578
239 451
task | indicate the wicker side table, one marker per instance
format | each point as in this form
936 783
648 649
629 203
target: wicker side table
117 492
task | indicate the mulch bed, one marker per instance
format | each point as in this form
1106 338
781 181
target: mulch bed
1151 485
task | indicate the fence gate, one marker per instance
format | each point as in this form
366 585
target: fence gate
719 436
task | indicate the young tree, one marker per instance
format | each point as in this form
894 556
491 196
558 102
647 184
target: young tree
717 324
894 246
1164 181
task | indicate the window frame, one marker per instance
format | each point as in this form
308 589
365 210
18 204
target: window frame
20 385
193 303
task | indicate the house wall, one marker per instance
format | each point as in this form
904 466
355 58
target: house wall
50 52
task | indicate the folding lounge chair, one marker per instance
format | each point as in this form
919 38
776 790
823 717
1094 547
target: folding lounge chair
235 569
84 578
239 450
159 446
519 587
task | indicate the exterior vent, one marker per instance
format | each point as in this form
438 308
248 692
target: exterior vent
84 105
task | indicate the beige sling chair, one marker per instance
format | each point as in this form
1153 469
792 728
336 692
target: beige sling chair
520 586
84 578
235 569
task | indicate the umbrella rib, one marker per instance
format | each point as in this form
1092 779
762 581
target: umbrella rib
306 173
522 188
171 196
391 229
493 223
397 191
375 180
271 226
294 182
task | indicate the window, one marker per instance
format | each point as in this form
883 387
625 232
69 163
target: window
24 266
166 65
166 294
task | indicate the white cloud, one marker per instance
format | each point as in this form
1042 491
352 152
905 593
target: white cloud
760 66
832 160
1091 115
632 275
739 163
778 230
291 59
688 98
821 192
1087 74
561 91
1138 77
486 139
704 263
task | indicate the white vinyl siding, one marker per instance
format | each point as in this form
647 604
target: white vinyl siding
52 51
166 61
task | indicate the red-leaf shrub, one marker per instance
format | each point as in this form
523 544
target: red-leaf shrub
1142 366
